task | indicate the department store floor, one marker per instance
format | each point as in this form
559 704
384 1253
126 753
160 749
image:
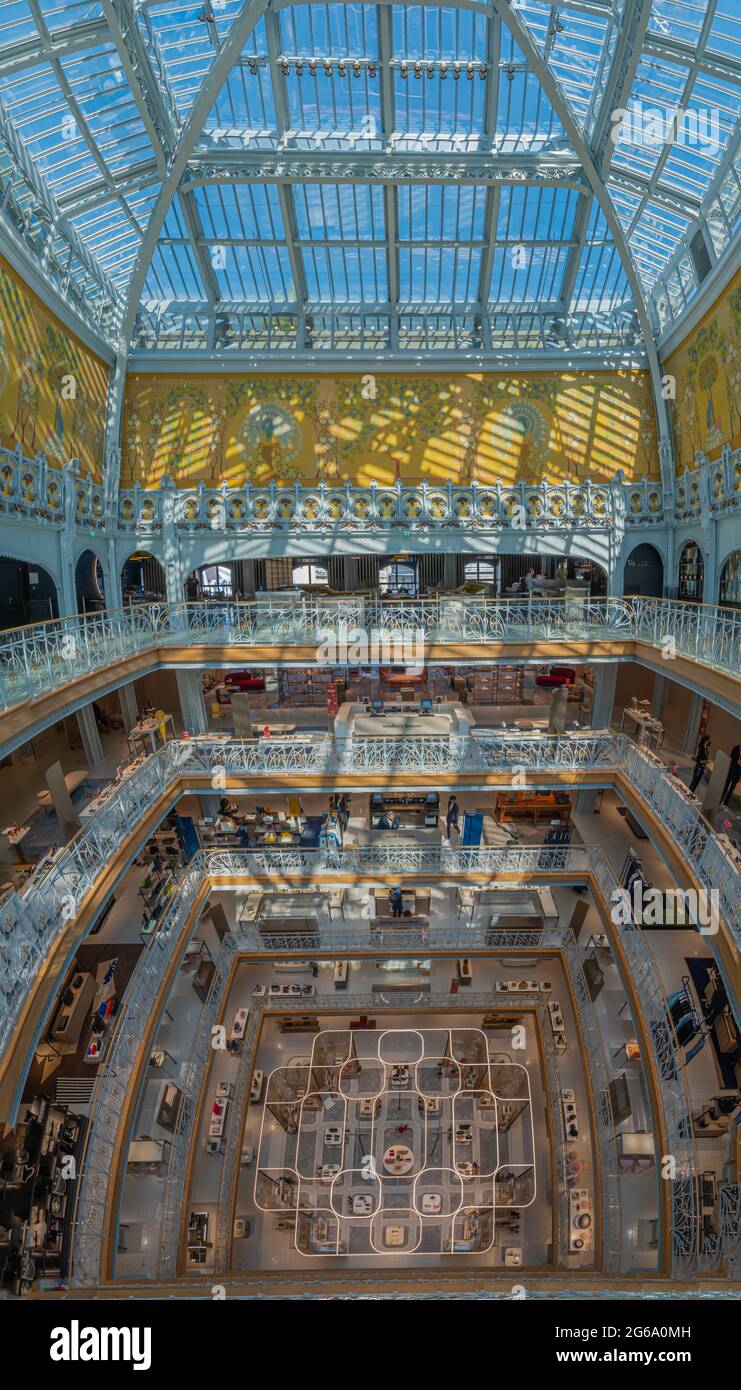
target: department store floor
676 952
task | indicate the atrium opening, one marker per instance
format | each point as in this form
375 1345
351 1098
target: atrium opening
370 652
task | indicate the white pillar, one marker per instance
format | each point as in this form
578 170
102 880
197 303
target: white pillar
586 801
658 699
91 743
129 707
603 695
450 570
192 708
691 732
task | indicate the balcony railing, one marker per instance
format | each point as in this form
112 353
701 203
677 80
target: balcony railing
36 660
424 506
35 489
31 920
645 978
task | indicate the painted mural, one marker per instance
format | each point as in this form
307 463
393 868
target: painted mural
706 411
386 428
53 390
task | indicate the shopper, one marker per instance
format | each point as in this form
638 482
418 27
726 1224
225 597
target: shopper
701 761
453 814
734 775
396 902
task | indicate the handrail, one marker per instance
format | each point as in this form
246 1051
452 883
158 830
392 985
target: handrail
31 920
38 658
658 1027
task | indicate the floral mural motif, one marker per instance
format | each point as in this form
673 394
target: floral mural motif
388 429
706 367
53 390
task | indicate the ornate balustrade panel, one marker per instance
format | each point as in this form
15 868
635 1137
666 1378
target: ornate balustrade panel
33 489
699 631
526 859
709 487
30 488
38 659
31 920
522 859
487 507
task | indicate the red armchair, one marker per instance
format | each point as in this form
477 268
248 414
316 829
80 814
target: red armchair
557 675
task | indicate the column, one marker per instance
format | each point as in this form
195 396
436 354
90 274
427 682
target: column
91 743
170 546
585 802
450 572
691 732
192 708
248 578
603 695
658 698
129 708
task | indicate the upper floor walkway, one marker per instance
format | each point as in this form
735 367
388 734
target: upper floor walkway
63 664
42 926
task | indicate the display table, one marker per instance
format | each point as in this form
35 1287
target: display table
646 726
239 1025
402 720
398 1160
534 806
403 725
581 1236
147 731
431 1203
15 835
362 1204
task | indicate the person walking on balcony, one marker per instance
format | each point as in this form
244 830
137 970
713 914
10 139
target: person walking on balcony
453 815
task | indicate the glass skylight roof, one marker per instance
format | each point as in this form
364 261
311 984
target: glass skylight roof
373 176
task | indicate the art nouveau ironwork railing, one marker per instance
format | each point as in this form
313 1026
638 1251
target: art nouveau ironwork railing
113 1080
577 859
653 1005
412 507
31 920
37 659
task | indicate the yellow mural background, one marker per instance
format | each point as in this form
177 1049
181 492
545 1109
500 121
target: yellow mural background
553 426
706 413
36 352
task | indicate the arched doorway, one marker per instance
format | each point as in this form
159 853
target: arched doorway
142 579
221 580
729 592
89 583
28 593
644 572
691 573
